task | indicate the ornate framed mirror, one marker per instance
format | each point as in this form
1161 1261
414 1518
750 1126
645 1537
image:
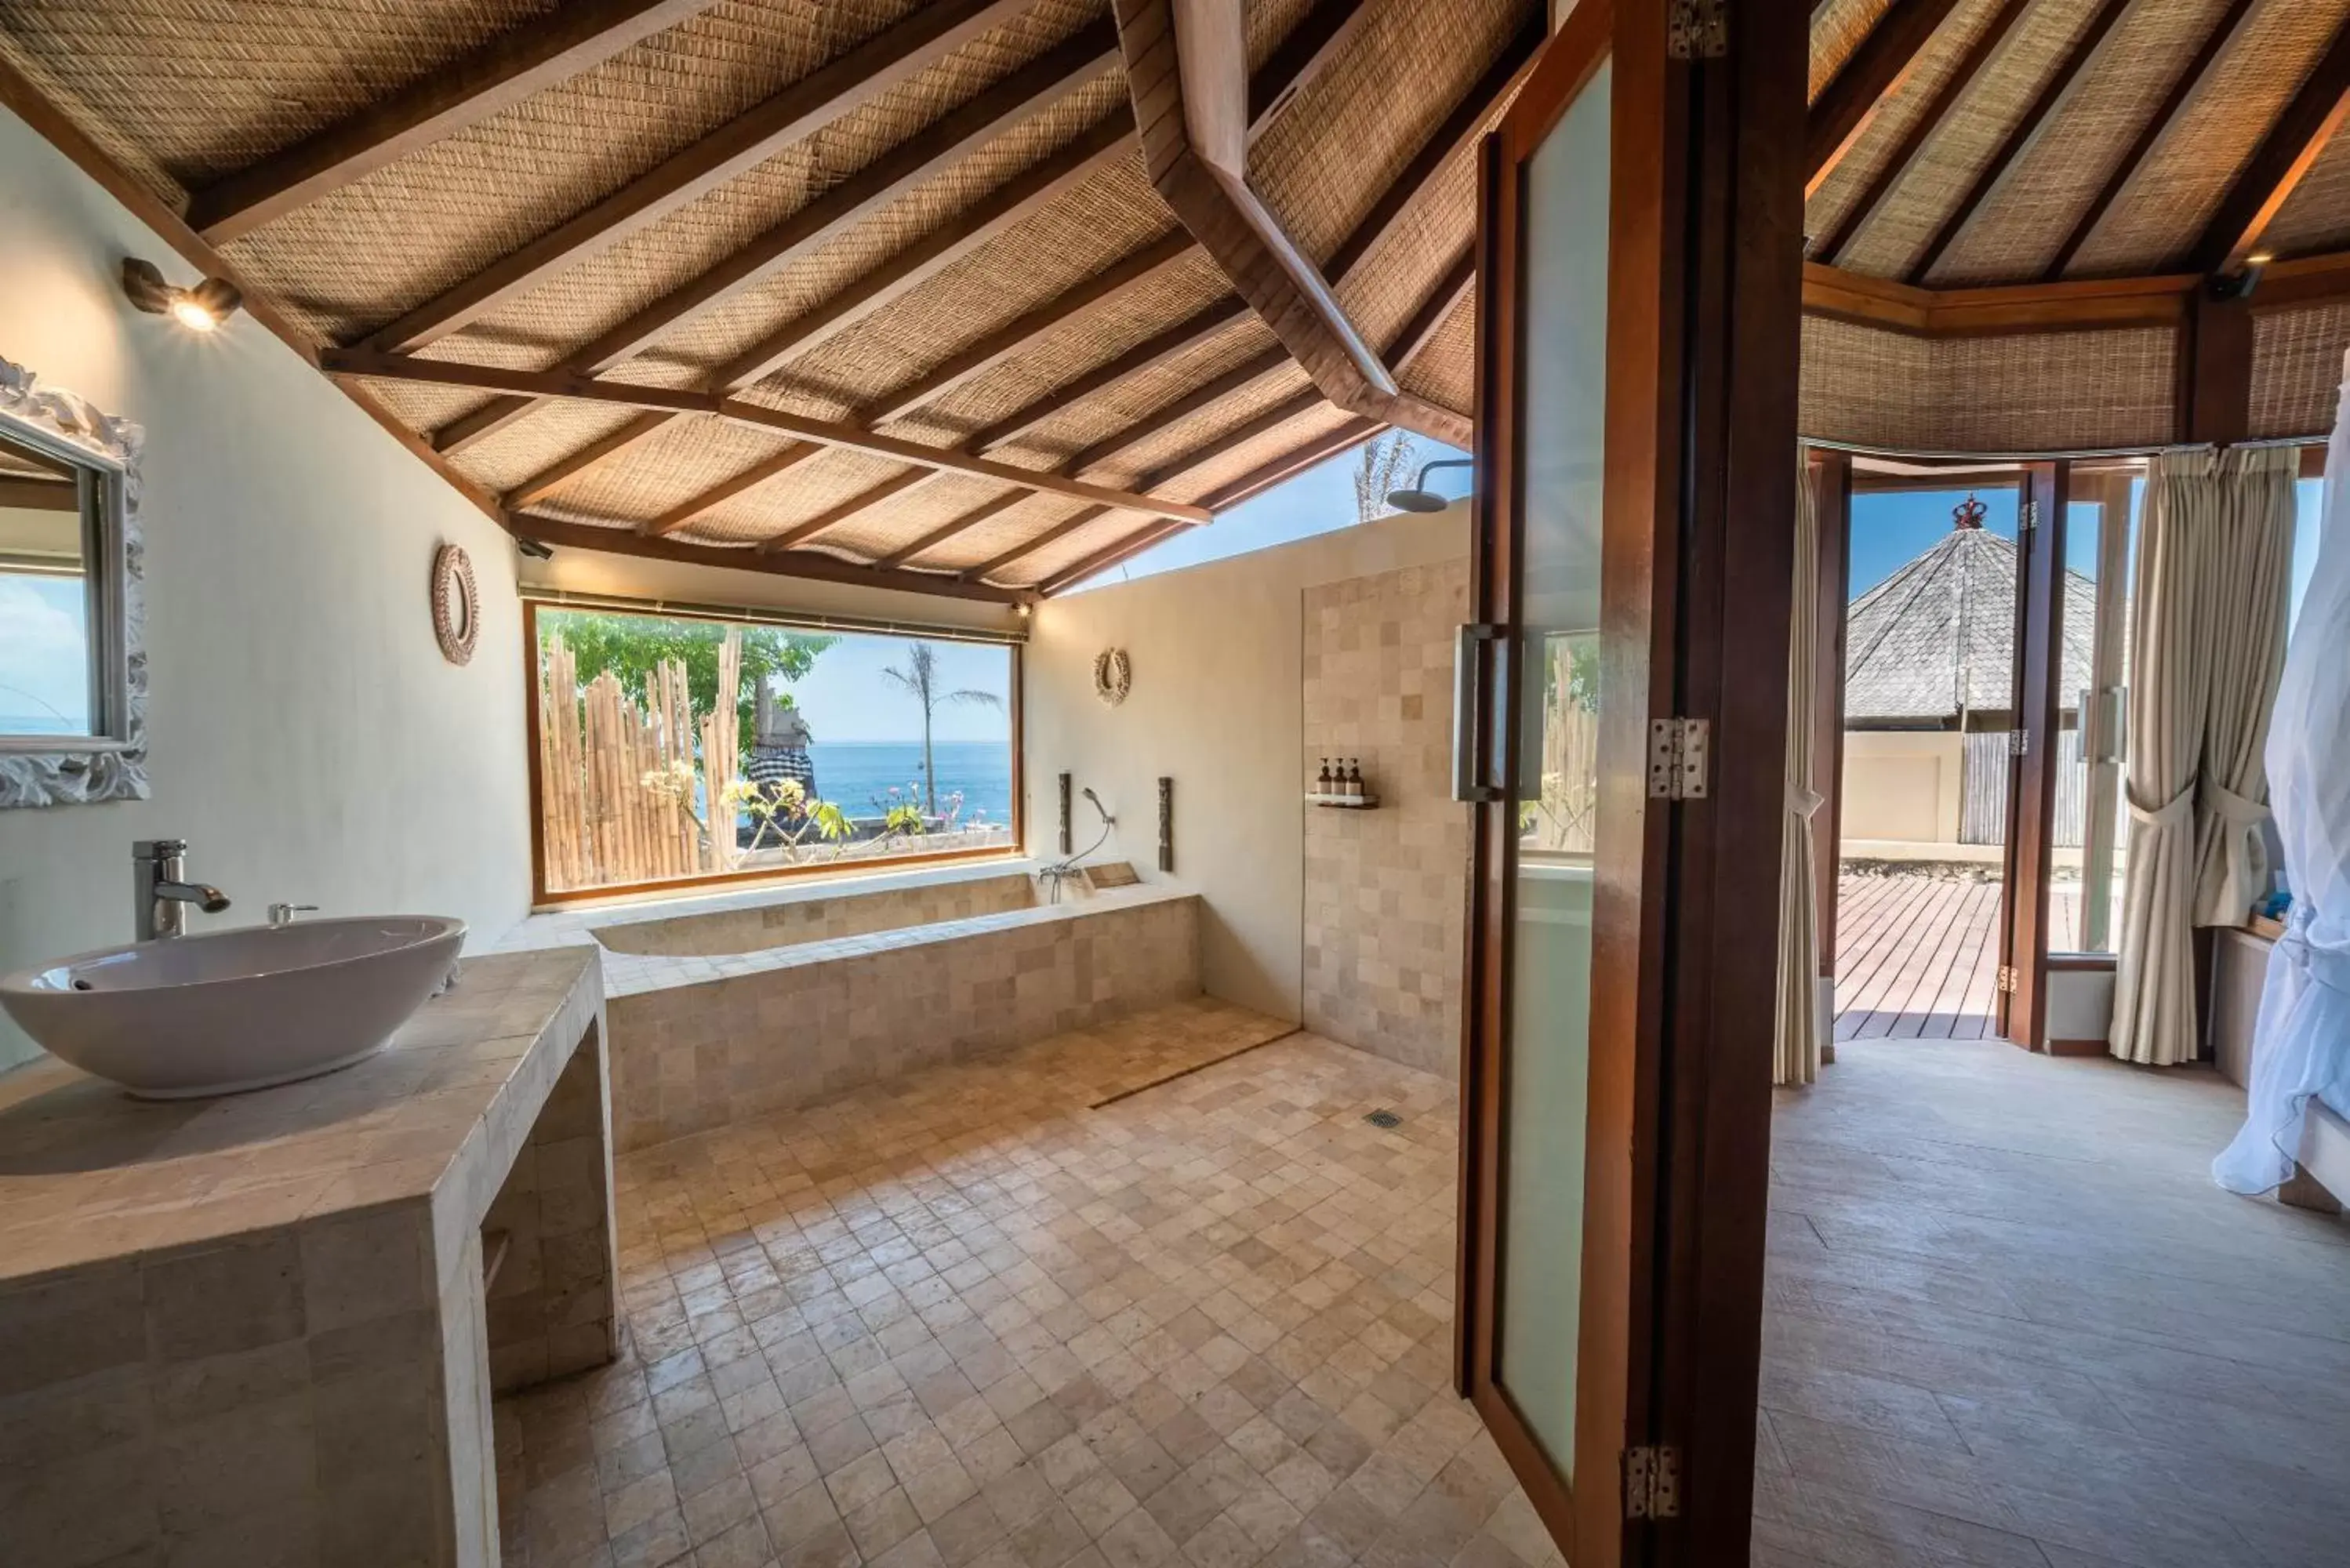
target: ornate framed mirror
73 662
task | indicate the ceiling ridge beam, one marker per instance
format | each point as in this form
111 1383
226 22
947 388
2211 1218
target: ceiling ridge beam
2223 31
824 94
2277 165
1189 110
2024 134
852 437
925 155
1954 87
491 78
1874 73
1008 204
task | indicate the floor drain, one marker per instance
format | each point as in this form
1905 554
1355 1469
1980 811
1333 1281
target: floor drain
1384 1119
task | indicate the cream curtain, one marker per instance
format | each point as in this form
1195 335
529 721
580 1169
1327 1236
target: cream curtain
2253 590
1795 1056
2215 545
2180 525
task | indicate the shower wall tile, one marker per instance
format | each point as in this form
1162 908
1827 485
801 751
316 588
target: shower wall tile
1385 889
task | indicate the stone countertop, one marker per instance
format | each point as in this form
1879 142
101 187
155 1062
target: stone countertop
88 1175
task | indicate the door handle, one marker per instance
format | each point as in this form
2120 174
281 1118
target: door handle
1468 785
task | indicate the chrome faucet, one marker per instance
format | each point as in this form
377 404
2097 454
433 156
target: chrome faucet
159 867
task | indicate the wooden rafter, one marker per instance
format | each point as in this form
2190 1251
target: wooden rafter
962 132
1190 111
366 365
2024 135
1158 349
2277 166
1016 336
1319 38
2124 172
1435 310
758 474
1023 195
1168 415
1998 310
1253 482
823 96
1888 175
1874 73
494 78
948 530
834 515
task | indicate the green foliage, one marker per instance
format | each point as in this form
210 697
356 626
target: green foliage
632 646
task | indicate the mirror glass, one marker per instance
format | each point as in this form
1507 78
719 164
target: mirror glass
50 597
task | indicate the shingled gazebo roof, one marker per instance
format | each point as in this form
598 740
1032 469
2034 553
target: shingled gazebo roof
1935 641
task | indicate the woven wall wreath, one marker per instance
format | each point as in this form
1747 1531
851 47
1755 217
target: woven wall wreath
456 605
1113 675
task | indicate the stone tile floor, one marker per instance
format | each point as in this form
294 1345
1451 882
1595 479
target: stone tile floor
1062 1307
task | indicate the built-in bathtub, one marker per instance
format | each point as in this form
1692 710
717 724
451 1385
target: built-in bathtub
734 1005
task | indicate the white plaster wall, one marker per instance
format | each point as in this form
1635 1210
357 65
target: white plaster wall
306 736
1218 703
1903 785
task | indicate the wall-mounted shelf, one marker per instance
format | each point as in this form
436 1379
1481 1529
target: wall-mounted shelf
1343 801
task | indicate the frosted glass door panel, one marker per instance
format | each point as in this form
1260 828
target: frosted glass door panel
1546 1056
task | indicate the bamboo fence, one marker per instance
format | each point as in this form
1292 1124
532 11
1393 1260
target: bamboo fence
607 816
1568 812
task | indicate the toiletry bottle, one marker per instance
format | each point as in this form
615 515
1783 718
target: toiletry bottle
1322 788
1354 780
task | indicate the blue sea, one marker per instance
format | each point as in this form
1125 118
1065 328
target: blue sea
852 775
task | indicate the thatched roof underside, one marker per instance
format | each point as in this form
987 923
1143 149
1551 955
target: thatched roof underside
954 243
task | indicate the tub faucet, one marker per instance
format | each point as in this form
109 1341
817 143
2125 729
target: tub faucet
159 867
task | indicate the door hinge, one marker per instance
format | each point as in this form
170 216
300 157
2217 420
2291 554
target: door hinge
1677 759
1697 30
2007 980
2027 516
2019 743
1652 1481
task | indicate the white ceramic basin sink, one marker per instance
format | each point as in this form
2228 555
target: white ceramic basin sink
234 1009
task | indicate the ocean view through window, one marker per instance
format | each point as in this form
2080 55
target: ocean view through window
681 749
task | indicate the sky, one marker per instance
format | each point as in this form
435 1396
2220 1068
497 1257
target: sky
1319 501
1888 529
846 698
44 655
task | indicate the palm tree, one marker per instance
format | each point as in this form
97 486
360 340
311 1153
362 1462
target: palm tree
920 678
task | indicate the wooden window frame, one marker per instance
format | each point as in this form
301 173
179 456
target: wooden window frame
625 892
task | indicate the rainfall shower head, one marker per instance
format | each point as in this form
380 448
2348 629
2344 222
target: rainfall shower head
1419 498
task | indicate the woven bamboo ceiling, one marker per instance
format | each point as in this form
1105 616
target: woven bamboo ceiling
895 291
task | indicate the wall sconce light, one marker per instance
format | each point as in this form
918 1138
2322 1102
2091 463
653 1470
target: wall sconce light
198 309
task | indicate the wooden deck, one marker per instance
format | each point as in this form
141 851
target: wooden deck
1918 956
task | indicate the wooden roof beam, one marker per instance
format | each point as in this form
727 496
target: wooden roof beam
1318 39
2124 172
1435 310
833 516
2024 135
908 269
1191 109
812 565
494 78
366 365
1874 73
948 530
823 96
758 474
1954 86
962 132
2277 166
1256 482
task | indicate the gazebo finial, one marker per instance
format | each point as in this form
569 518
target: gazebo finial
1968 513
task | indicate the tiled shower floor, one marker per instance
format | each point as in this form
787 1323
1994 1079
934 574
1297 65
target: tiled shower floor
1120 1298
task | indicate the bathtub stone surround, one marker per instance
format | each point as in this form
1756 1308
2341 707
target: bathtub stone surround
700 1042
845 912
252 1330
1385 889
